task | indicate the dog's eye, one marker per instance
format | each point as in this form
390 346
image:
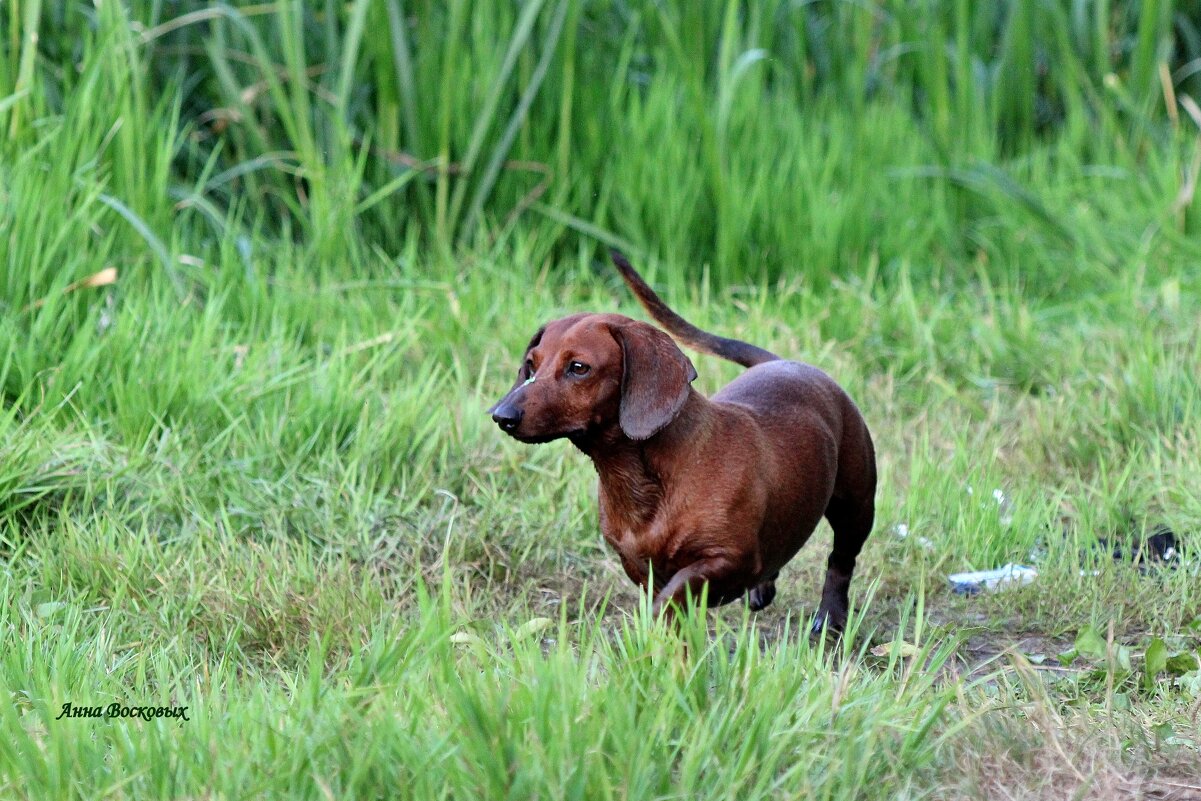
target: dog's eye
529 367
577 369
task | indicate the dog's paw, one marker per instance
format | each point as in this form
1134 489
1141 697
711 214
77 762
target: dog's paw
828 624
761 595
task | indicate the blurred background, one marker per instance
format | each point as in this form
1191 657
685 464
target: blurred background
1050 140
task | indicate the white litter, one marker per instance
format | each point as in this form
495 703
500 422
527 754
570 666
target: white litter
972 583
901 531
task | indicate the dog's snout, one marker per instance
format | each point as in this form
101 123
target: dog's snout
506 415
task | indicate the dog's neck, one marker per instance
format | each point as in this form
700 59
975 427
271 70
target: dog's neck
631 489
631 481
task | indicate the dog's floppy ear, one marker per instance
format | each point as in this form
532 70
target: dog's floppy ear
655 379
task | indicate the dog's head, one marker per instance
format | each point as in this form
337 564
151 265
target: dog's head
588 372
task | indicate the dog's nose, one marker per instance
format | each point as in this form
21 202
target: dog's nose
507 416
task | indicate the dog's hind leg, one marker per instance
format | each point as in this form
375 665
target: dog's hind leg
852 522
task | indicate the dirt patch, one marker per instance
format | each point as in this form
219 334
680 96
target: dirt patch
1038 755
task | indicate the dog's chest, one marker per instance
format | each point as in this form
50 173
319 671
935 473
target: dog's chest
640 540
630 544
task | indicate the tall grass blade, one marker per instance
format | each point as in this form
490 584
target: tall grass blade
405 81
488 179
29 48
350 53
156 245
487 114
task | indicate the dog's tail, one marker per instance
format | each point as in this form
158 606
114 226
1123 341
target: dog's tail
735 350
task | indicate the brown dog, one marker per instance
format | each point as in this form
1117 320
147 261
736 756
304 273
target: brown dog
693 491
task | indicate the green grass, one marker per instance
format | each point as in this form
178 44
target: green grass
253 476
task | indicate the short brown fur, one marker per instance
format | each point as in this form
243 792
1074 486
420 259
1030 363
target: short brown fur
695 491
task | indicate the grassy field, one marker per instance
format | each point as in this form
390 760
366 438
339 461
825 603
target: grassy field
265 266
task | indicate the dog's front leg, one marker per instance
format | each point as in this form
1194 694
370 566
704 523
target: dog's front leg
691 579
